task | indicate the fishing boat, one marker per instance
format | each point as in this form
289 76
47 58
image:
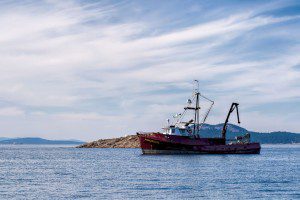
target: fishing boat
184 137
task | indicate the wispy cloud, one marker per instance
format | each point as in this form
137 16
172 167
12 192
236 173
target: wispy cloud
79 62
11 112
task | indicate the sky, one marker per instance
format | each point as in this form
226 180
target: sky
100 69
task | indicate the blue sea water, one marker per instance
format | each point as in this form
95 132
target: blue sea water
56 172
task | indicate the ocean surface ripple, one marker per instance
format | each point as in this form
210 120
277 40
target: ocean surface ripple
56 172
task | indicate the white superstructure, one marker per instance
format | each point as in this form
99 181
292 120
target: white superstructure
193 126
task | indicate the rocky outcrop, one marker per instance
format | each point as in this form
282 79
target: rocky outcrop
130 141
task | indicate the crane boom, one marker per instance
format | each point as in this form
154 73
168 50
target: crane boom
233 106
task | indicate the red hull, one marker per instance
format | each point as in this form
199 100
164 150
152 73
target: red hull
158 143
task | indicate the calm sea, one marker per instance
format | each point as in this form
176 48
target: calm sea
53 172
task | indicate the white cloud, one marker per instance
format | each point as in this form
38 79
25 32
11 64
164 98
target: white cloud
73 61
11 112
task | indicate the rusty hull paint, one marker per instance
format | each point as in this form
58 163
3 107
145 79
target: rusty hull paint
158 143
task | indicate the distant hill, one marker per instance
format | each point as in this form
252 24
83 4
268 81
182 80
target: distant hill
4 138
264 138
36 140
276 137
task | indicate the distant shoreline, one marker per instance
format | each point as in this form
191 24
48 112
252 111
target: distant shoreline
38 141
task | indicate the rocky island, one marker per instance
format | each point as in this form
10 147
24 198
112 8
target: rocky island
130 141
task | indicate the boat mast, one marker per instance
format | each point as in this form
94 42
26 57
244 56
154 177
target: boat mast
197 108
196 98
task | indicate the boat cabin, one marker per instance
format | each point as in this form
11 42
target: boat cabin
180 130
